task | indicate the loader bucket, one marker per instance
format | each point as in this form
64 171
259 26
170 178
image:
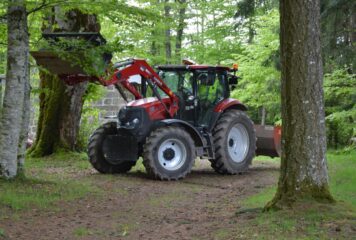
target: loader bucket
71 72
268 140
68 72
54 64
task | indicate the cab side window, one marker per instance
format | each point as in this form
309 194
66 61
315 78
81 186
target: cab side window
210 87
210 91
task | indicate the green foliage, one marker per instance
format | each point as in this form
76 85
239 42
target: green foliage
340 100
89 122
215 38
90 115
81 53
260 77
3 37
215 32
94 92
338 33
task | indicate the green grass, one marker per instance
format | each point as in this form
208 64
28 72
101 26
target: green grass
82 232
60 178
342 172
26 193
46 183
222 234
309 220
66 160
2 232
259 200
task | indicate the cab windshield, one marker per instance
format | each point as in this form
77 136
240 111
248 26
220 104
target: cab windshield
177 81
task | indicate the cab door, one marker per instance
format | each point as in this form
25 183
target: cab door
210 91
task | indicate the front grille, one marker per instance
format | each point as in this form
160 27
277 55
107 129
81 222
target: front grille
128 114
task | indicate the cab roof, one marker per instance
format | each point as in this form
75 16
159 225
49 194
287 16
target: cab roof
192 67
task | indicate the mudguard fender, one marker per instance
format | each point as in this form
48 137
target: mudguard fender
230 103
194 133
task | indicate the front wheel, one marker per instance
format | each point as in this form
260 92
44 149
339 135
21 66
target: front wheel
98 157
169 153
235 143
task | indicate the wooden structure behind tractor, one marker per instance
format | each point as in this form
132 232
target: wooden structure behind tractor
179 113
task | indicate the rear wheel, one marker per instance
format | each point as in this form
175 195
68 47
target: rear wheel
169 153
96 154
235 143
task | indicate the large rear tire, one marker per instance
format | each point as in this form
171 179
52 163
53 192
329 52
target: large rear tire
96 154
235 143
169 153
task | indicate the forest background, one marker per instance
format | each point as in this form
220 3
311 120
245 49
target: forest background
219 33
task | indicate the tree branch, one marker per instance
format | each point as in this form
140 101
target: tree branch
45 4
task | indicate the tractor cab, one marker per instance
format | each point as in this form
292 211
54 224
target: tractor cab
199 89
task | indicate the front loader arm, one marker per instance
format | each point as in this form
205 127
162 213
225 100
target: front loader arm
124 70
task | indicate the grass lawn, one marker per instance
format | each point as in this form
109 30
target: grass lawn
68 176
310 220
48 181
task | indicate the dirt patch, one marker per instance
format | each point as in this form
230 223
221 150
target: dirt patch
202 206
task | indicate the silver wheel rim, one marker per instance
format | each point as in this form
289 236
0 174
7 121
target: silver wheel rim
238 143
172 154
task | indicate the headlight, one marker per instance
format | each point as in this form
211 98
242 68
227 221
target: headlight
136 121
132 124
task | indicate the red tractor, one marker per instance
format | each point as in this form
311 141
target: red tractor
179 113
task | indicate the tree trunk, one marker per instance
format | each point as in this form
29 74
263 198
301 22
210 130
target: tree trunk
168 45
17 76
263 116
251 16
24 126
180 29
1 83
303 162
61 105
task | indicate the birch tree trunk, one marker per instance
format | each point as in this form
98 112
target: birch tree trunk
61 105
12 117
24 126
1 83
303 163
